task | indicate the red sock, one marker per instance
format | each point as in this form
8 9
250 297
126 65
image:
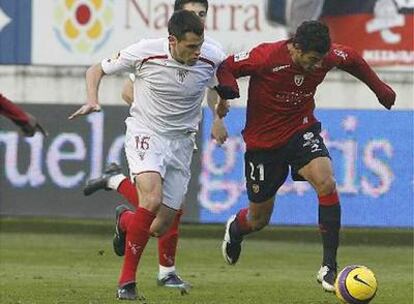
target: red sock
167 243
138 233
242 222
128 190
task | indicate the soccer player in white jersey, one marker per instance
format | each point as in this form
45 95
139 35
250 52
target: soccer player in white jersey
113 179
200 8
171 76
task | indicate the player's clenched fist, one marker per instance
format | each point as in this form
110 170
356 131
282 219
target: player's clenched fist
386 96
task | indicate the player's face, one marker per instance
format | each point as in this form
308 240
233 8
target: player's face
198 9
187 50
309 61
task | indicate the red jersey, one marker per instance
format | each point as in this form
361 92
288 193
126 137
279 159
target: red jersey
281 93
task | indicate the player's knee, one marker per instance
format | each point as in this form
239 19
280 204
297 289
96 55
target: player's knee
326 186
161 225
158 233
159 229
151 201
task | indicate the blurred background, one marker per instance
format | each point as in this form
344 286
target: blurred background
46 46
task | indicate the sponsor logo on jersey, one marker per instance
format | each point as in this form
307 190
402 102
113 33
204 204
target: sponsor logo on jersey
83 27
280 67
299 80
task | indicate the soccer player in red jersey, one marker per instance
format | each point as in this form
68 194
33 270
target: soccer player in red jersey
27 123
282 131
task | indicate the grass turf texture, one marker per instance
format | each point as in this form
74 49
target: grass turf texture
50 267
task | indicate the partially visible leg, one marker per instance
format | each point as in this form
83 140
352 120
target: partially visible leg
246 221
253 218
167 247
319 173
112 172
113 179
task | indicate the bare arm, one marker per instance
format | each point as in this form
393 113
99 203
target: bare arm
93 79
218 128
128 92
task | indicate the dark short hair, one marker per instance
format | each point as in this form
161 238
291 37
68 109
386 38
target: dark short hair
182 22
179 4
312 36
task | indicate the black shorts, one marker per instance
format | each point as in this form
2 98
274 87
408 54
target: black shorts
267 170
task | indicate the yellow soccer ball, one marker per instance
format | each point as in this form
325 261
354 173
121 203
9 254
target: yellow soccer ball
356 284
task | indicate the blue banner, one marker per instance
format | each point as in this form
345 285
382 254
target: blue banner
372 153
15 31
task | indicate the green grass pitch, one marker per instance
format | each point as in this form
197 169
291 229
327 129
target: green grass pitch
57 268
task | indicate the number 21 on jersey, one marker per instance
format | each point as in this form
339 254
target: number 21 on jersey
257 172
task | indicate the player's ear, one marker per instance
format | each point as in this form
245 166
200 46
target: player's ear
172 40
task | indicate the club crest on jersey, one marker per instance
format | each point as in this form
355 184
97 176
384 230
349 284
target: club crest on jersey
299 80
181 74
255 188
340 53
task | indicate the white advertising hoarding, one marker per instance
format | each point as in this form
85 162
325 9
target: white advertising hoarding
82 32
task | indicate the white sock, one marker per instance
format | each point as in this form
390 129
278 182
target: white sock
115 181
163 271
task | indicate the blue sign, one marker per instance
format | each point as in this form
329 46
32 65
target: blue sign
372 153
15 31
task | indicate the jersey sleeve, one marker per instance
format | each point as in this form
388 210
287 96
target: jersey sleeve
239 65
348 60
12 111
248 62
125 61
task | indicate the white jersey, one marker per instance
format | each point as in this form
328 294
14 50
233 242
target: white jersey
169 93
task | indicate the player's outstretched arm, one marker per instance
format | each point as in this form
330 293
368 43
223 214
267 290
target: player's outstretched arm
93 79
227 87
28 123
354 64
